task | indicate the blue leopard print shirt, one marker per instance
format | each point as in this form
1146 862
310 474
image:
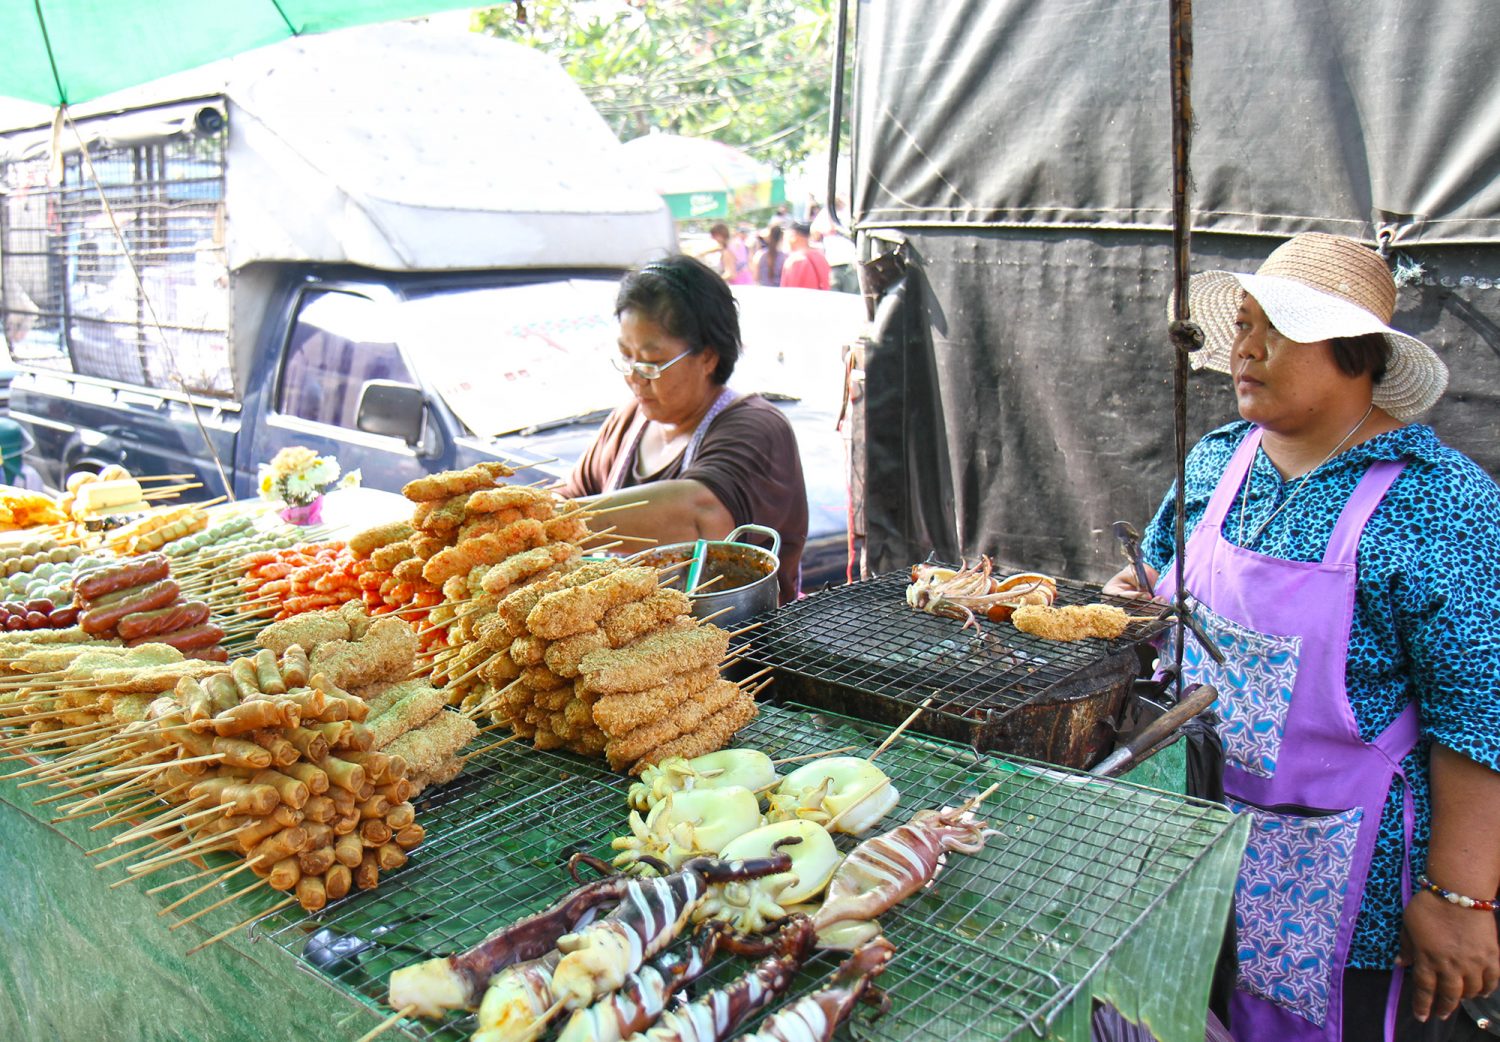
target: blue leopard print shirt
1426 618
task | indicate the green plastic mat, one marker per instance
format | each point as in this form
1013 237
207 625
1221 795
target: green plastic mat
1091 889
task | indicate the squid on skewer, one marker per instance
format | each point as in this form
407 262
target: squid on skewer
719 1014
650 916
459 981
886 869
815 1017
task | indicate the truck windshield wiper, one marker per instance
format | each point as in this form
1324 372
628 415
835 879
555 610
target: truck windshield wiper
593 416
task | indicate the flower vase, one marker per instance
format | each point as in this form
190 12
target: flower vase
304 514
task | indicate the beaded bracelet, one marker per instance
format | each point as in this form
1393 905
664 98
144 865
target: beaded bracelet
1456 899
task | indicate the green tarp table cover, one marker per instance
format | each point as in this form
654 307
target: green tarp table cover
1089 889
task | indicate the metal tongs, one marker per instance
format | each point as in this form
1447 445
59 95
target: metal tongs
1130 544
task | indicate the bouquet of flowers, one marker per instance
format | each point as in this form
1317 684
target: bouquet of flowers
299 477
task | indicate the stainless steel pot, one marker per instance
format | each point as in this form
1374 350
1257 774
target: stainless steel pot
743 576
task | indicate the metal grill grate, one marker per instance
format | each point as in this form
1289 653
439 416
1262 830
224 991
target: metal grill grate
995 950
71 301
861 649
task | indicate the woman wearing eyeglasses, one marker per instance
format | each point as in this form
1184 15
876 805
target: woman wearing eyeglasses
699 458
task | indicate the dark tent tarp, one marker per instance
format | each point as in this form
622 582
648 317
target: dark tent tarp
1018 395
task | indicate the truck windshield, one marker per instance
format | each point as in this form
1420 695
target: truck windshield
508 358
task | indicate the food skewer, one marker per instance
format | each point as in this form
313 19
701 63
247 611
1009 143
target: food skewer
216 938
911 718
386 1024
813 756
220 903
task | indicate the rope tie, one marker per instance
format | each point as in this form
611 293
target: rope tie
1186 335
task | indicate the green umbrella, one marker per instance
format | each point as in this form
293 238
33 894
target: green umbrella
62 52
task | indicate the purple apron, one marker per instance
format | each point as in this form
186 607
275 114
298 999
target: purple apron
632 441
1294 760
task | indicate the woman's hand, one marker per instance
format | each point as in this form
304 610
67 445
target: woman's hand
1450 952
1453 952
1124 584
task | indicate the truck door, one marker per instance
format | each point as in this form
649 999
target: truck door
338 343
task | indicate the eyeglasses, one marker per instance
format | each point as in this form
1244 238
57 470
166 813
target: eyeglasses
646 370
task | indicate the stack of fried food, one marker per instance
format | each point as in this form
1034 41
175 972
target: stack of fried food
277 764
464 524
64 689
611 664
373 659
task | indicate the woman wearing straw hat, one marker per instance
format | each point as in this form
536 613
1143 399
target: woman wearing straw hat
1347 563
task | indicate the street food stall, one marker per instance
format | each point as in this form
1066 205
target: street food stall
151 786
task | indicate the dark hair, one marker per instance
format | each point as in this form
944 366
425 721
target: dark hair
719 229
690 301
1357 355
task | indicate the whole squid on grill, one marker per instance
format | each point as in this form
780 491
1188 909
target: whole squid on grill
749 768
459 981
886 869
645 994
719 1014
974 590
816 1016
650 916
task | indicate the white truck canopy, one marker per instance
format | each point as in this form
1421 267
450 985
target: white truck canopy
400 148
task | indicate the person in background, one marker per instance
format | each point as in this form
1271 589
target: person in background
1347 564
740 249
805 267
719 256
829 234
769 259
21 314
698 458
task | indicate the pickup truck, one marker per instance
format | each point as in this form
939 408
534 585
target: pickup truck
299 248
399 376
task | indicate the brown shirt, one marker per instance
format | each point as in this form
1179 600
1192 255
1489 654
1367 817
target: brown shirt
748 459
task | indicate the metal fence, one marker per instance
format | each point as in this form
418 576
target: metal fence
112 263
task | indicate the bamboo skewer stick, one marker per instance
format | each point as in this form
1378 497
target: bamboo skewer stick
753 677
491 748
128 812
123 771
746 629
157 824
216 938
162 861
883 746
219 872
165 477
184 851
710 618
872 790
388 1023
975 801
219 903
814 756
588 512
705 585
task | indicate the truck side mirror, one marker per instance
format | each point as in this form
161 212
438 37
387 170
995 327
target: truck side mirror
391 408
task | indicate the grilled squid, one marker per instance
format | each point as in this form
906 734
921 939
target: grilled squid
844 793
748 768
886 869
436 986
974 590
650 916
686 824
719 1014
816 1016
751 904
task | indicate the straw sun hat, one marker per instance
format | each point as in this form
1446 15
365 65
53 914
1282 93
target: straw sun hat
1318 287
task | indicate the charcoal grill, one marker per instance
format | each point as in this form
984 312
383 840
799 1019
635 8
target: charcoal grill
861 650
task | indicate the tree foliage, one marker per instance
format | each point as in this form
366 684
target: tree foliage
752 73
